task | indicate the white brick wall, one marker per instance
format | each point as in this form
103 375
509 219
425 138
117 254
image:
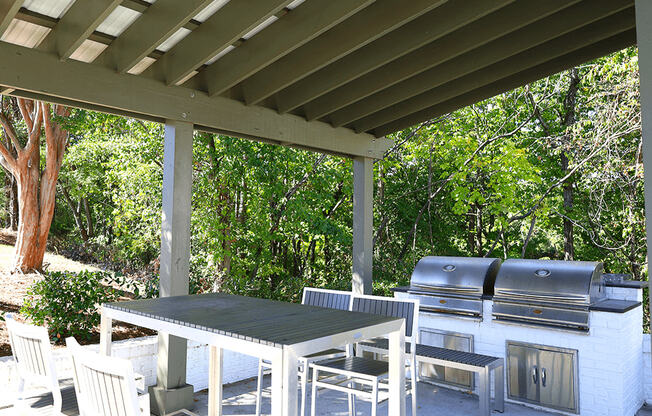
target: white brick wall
647 369
610 357
142 353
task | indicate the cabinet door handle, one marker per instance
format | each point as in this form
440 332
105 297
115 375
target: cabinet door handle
543 377
535 375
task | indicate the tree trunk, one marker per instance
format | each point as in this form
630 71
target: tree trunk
13 204
569 120
36 190
569 238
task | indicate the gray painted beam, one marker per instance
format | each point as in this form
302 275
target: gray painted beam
175 264
366 26
161 20
474 35
97 85
76 25
8 10
219 31
363 224
448 84
644 37
422 30
586 54
295 29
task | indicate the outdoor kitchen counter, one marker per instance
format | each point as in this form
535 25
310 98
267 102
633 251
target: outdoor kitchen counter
615 306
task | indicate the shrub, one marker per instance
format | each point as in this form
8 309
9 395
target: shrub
68 302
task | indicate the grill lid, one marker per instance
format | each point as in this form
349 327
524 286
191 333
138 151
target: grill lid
575 282
455 275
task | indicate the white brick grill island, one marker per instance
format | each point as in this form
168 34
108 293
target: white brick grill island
610 355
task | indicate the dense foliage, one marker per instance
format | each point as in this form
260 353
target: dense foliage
67 303
549 170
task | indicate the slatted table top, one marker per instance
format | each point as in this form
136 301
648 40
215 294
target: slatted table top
258 320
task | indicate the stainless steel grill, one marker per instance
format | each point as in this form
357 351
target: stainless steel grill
453 285
548 292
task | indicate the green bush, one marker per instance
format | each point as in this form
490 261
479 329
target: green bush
68 302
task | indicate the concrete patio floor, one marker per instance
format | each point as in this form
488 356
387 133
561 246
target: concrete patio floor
240 399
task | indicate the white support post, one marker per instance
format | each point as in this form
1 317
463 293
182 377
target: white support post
363 224
171 392
644 40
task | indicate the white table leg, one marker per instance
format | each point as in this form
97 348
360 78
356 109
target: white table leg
397 372
290 364
277 384
105 335
215 373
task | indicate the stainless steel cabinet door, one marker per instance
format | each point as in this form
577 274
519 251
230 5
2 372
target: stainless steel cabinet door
557 384
441 374
522 372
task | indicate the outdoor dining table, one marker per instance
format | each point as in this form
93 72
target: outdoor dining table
277 331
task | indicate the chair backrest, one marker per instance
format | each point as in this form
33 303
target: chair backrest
326 298
397 308
105 385
32 352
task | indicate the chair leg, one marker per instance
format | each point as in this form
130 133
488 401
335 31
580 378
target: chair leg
352 411
56 401
374 398
413 371
259 387
304 386
313 400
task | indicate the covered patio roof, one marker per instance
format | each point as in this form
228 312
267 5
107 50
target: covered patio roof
328 75
334 76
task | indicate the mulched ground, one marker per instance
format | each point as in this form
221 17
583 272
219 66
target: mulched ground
13 289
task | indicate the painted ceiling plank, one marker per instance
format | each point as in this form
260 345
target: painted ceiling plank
362 28
515 43
77 25
589 53
421 31
222 29
8 10
161 20
295 29
476 34
562 45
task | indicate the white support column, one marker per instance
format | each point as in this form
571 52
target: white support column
363 223
171 392
644 40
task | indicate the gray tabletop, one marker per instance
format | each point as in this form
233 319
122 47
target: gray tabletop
260 320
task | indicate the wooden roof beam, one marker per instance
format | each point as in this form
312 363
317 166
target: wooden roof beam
102 87
421 31
222 29
295 29
522 40
602 29
482 31
366 26
79 22
8 10
591 52
161 20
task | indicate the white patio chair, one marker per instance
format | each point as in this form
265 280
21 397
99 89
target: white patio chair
32 352
105 386
360 376
326 298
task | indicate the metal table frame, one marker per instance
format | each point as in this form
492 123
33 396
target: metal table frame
284 358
